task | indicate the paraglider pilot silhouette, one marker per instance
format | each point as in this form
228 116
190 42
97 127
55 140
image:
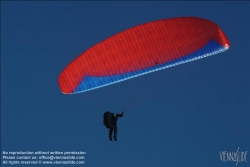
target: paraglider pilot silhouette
110 121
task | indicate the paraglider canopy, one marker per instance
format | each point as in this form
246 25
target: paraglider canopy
141 50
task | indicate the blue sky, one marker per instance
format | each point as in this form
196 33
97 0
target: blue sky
183 116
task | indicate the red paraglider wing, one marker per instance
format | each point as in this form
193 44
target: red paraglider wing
143 49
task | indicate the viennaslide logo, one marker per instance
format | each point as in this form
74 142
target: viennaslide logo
233 156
